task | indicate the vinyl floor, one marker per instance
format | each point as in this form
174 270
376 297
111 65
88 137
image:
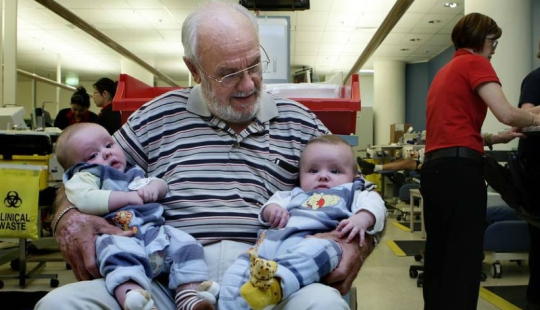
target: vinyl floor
383 282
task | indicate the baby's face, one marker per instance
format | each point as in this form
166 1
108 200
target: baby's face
326 165
96 146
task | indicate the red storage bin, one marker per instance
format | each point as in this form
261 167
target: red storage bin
338 114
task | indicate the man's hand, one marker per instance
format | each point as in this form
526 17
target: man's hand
353 258
507 136
76 235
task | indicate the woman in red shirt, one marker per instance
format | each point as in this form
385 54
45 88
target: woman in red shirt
78 112
452 177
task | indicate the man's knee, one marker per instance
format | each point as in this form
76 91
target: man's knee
79 295
314 296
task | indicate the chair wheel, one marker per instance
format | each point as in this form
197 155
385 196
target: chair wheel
420 281
54 282
31 249
1 284
68 266
418 257
413 273
14 264
496 271
483 277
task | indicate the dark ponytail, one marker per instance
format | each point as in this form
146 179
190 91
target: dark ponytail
81 97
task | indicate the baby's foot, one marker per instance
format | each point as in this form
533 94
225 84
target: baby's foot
203 298
139 299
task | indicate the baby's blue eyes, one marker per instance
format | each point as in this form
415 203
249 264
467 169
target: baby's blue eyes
333 171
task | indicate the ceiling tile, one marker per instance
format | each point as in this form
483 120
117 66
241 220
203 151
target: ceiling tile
330 36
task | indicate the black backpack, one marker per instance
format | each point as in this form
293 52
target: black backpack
526 178
515 183
501 180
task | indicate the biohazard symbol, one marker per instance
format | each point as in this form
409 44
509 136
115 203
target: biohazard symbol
12 200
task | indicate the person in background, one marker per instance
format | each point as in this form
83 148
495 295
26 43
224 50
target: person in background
410 164
329 197
224 147
457 103
78 112
104 91
529 155
415 164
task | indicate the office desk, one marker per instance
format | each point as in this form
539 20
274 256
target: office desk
415 193
388 174
389 151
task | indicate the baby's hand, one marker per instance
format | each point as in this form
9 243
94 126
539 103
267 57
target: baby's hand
135 199
149 192
276 215
356 225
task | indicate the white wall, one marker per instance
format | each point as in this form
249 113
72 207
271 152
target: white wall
366 89
364 119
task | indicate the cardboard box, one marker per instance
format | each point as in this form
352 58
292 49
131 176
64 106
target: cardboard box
397 131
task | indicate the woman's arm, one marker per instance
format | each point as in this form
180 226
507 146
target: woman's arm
505 113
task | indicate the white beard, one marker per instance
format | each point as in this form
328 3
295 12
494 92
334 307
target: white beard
225 111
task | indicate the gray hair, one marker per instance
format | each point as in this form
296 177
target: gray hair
191 24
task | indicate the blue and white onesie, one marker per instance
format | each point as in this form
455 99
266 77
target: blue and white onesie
155 249
302 261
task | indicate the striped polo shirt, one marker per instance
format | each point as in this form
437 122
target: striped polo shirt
218 180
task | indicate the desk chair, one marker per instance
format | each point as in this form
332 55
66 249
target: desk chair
406 210
415 271
506 237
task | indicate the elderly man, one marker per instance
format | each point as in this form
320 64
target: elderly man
224 148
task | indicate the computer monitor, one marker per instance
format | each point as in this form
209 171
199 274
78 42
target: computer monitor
43 118
303 76
12 117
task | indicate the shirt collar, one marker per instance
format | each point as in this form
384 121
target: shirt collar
196 104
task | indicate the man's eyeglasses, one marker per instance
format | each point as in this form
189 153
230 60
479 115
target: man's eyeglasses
494 42
233 79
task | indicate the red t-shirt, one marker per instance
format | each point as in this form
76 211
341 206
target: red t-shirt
455 112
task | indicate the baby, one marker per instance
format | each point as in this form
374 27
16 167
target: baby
98 181
284 260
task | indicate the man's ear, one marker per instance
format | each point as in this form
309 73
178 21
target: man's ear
193 69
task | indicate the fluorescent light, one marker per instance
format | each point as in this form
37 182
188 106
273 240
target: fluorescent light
72 80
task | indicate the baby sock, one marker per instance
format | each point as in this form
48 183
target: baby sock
263 289
139 299
203 298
